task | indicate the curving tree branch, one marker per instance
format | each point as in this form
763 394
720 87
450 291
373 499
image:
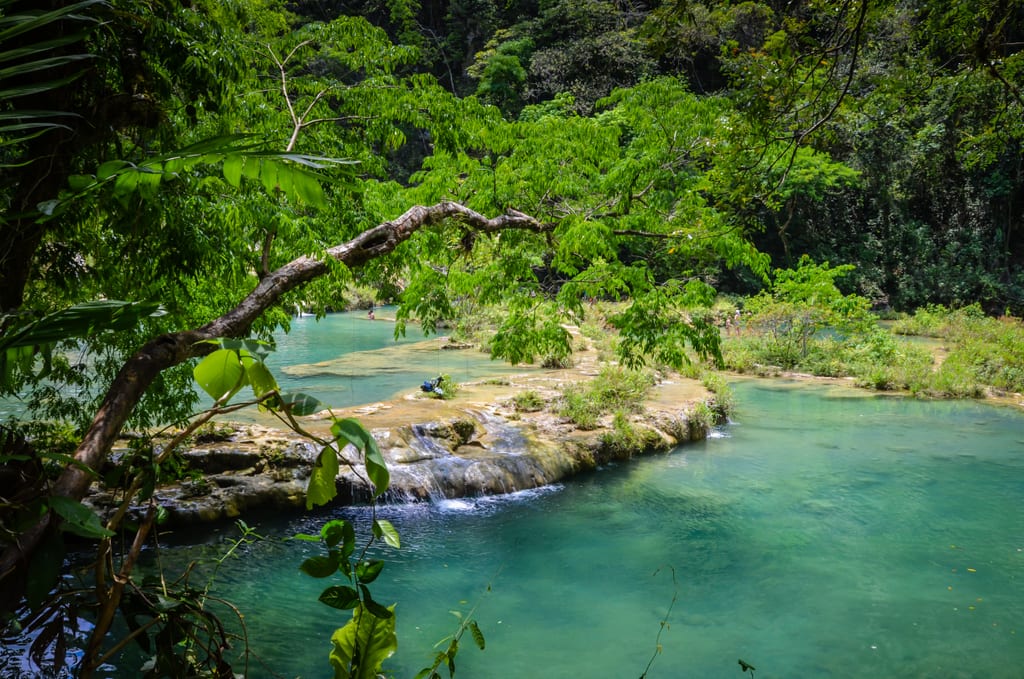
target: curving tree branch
166 351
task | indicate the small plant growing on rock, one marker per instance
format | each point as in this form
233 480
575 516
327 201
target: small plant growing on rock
556 362
624 438
214 432
577 407
528 401
614 389
701 421
725 402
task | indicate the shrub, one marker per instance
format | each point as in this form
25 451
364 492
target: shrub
619 388
725 401
578 407
528 401
702 419
614 389
625 438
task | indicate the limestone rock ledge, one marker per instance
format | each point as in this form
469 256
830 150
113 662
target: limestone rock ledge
433 449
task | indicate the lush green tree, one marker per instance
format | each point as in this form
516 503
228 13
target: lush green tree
224 215
802 303
584 48
688 38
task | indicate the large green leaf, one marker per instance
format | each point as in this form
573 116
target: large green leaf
478 636
323 480
221 374
321 566
261 380
300 404
20 346
232 169
351 431
382 528
78 518
338 531
368 571
17 24
293 174
341 597
41 65
41 47
361 646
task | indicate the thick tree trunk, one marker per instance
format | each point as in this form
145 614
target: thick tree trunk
169 350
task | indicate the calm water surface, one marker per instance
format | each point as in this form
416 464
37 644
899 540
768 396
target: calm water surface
822 534
345 359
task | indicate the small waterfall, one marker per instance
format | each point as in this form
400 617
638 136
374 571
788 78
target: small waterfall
434 479
424 442
438 461
502 437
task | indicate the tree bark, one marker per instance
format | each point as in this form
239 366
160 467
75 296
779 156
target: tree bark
166 351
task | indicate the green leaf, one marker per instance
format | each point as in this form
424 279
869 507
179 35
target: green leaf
307 187
372 606
220 374
19 346
233 169
360 648
382 528
478 636
110 168
341 597
78 518
321 566
306 537
268 175
259 377
453 650
80 182
337 531
323 481
353 432
23 23
300 404
148 183
251 167
125 184
367 571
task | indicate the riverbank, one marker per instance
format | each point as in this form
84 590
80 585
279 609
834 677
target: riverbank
480 442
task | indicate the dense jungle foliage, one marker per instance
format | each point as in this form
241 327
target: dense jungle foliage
174 173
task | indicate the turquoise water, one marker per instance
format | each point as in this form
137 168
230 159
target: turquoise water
822 534
345 359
